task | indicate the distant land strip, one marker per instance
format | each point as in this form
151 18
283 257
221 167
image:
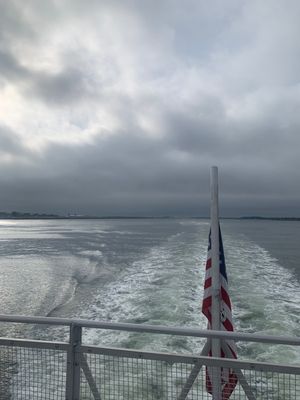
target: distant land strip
272 218
27 215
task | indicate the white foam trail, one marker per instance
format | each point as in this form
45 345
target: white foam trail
166 287
92 253
265 296
162 288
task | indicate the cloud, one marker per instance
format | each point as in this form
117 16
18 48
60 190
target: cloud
10 68
56 89
10 143
122 107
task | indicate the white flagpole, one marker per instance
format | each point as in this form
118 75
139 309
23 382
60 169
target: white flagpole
215 258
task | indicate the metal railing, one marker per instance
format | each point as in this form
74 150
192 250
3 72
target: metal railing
72 370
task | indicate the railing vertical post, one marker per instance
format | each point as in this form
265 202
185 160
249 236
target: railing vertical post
73 364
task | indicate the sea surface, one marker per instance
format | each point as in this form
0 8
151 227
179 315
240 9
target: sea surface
150 271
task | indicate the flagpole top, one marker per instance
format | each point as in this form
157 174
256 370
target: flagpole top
214 190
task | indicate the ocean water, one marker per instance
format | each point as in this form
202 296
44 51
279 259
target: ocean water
150 271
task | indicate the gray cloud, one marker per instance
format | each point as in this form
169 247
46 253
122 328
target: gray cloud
64 87
10 143
14 24
53 88
10 68
130 174
132 102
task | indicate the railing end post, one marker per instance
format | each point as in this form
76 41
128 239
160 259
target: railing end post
73 363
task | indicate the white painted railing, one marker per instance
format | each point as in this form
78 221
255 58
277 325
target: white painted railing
36 369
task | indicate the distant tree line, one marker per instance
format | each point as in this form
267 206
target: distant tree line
25 215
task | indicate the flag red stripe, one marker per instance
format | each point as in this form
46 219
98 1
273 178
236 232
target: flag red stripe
206 305
228 325
207 283
225 297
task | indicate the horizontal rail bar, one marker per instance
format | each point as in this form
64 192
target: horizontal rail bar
40 344
146 355
22 319
192 359
143 355
128 327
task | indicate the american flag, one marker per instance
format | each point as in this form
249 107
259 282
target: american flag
228 347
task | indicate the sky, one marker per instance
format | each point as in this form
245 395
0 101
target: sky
121 107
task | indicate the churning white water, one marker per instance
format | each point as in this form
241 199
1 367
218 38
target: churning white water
151 271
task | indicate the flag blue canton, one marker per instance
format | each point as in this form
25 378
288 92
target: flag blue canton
221 253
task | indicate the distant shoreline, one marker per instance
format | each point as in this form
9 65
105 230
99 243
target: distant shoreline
15 215
270 218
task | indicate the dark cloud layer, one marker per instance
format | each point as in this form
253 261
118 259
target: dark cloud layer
122 107
131 175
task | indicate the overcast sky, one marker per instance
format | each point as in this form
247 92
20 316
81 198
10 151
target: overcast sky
121 107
